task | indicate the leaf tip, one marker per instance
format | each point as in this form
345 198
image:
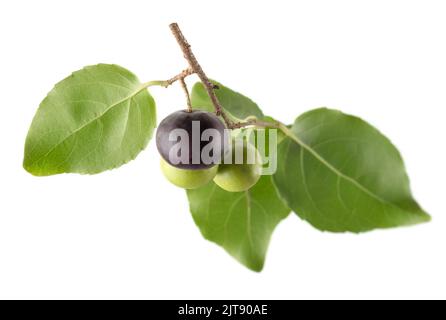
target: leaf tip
256 269
33 170
30 169
426 218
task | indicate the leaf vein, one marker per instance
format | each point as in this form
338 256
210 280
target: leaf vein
141 88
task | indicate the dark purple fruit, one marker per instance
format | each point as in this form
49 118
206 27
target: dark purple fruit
182 144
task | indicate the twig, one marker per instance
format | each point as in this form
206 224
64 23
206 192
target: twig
168 83
256 123
195 66
185 73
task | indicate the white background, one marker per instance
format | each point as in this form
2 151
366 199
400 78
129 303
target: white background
128 233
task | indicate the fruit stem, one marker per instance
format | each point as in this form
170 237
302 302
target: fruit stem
186 92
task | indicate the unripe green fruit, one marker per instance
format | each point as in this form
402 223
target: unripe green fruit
240 177
186 178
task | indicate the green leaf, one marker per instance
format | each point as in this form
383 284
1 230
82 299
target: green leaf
341 174
243 222
97 119
280 134
234 103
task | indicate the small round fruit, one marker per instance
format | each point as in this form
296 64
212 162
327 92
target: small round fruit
188 179
180 143
240 177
